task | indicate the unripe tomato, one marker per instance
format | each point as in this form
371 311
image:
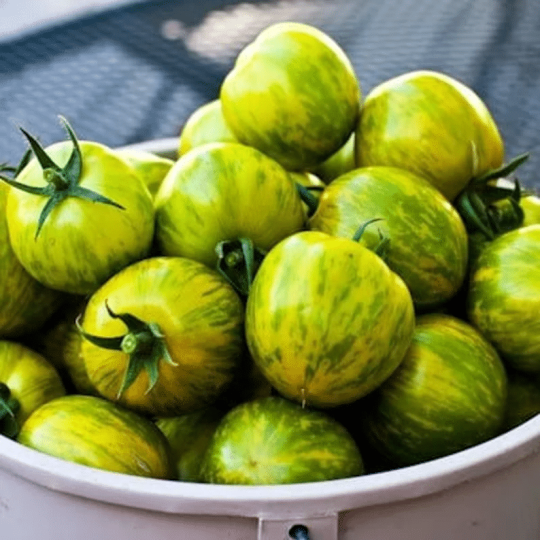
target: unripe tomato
292 94
430 124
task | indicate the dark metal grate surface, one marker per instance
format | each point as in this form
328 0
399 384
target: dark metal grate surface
119 79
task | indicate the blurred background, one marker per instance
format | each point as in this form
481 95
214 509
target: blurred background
125 71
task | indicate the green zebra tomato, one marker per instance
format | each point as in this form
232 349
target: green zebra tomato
164 336
504 296
94 432
430 124
77 214
225 191
28 381
292 94
427 238
205 125
274 441
448 394
26 303
327 321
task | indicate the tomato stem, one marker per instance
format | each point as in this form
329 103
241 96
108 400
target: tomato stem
144 343
238 262
62 182
9 406
308 198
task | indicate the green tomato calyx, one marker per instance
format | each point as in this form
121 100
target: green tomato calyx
381 249
238 262
308 198
9 406
490 204
144 343
62 182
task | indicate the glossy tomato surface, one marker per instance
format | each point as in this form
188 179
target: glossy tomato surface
327 321
81 242
25 303
275 441
31 379
97 433
504 296
293 94
431 124
427 240
448 394
225 191
200 318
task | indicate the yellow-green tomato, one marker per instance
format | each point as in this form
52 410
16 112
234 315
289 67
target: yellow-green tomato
327 321
25 304
225 191
293 94
341 162
167 336
189 436
151 168
94 432
30 379
81 242
531 209
205 125
431 124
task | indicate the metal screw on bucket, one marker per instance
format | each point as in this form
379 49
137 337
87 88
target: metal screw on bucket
299 532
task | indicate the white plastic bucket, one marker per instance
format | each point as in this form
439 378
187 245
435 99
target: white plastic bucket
488 492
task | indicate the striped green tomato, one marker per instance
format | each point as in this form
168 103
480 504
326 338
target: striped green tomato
448 394
430 124
292 94
327 321
275 441
504 296
523 400
225 191
26 303
428 240
163 337
189 436
151 168
205 125
30 379
531 209
87 215
94 432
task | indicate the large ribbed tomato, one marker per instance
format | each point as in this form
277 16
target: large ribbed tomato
430 124
327 321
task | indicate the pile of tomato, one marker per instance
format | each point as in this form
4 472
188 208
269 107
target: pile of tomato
322 285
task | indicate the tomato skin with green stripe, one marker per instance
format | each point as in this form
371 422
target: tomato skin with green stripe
225 191
292 94
448 394
531 209
26 303
430 124
31 378
326 320
189 436
428 240
81 243
205 125
504 296
197 311
97 433
275 441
